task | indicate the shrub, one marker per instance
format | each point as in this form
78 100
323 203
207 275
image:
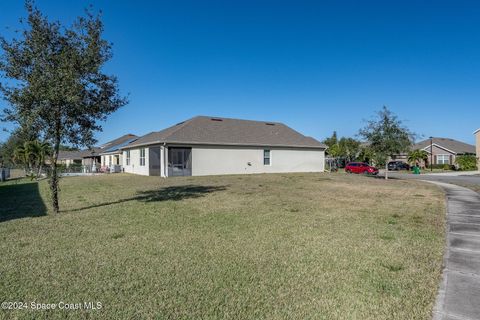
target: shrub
466 162
442 166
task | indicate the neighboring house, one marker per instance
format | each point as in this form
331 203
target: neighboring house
68 158
211 146
110 153
444 150
91 157
106 154
477 141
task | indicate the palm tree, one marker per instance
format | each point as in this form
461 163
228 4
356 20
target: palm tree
417 155
43 150
21 155
32 154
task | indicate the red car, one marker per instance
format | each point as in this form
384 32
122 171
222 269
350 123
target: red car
360 167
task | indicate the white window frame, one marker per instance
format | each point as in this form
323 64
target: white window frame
269 157
142 157
127 157
445 159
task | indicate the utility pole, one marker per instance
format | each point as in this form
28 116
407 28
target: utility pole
431 153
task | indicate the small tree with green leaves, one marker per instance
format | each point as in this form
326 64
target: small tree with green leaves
387 136
332 144
344 147
349 148
55 82
32 155
16 139
466 162
366 154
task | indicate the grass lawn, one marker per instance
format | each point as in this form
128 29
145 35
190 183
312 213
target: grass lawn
474 187
279 246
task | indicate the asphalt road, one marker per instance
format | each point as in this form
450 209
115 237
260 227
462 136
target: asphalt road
457 179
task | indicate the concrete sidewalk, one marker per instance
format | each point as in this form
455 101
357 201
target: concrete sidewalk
450 173
459 294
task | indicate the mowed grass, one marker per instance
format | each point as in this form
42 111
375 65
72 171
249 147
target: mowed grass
277 246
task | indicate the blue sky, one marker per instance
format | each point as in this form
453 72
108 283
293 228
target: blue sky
316 66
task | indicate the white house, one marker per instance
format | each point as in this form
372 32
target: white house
211 146
111 154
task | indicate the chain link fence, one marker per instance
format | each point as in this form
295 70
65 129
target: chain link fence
16 172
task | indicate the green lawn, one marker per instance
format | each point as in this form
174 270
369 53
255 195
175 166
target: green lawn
279 246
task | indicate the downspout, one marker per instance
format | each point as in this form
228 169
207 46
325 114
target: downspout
165 160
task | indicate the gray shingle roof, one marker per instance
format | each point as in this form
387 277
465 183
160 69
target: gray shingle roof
67 155
225 131
109 146
119 141
450 144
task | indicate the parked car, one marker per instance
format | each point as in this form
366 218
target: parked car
360 167
398 165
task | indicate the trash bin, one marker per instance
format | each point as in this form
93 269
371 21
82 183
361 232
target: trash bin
416 170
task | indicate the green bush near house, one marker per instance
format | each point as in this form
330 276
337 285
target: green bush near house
442 166
466 162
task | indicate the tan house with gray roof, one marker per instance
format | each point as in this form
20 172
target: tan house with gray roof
212 146
444 150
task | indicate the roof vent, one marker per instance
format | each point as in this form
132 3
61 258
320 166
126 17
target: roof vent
216 119
269 124
180 123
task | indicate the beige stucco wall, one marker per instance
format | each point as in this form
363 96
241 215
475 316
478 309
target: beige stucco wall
208 160
105 159
66 162
134 166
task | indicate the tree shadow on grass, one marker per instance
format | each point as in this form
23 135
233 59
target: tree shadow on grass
173 193
381 177
20 200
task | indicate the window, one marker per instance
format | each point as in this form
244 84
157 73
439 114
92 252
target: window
443 159
127 157
142 157
266 157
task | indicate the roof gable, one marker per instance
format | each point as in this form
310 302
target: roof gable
447 144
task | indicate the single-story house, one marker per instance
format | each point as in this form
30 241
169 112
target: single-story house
68 158
110 153
91 157
441 150
211 146
477 140
101 155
